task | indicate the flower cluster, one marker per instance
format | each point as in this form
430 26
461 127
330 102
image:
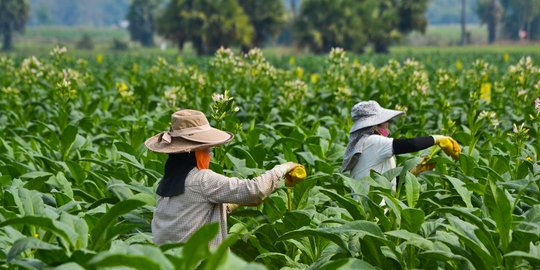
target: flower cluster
125 93
490 117
222 106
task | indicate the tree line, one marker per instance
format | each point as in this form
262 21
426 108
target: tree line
513 19
317 25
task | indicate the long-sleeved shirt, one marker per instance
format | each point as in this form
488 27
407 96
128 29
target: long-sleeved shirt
379 151
206 193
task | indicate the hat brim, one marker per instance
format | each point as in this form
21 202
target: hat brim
384 116
211 138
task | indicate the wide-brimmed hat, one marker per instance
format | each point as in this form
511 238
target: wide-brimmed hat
189 131
370 113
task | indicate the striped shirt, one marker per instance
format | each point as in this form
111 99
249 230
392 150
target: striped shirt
204 201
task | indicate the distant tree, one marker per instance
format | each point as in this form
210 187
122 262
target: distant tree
351 24
13 17
389 21
85 43
42 15
321 25
208 24
141 17
266 16
490 12
522 15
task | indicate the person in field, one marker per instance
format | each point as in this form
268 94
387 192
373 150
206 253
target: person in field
370 149
191 195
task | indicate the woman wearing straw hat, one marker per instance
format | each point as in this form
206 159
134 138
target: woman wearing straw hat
370 148
190 195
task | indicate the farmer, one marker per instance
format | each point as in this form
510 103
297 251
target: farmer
370 148
190 195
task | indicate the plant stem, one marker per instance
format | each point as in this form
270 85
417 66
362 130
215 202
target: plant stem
289 199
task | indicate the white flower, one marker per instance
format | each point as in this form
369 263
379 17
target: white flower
537 104
217 97
522 92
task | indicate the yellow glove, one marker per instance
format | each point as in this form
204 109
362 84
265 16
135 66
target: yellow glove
448 145
294 176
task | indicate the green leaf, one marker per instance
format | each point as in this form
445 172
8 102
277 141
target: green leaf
69 266
459 186
58 228
24 244
76 170
196 248
411 219
412 239
352 206
98 241
131 160
467 164
31 203
412 189
67 138
347 264
500 210
60 182
125 260
302 192
34 175
533 257
309 232
480 256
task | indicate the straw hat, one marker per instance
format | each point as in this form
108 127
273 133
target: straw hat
189 131
370 113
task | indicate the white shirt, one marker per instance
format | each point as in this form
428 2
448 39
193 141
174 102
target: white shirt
206 193
377 155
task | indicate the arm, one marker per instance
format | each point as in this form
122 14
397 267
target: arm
402 146
218 188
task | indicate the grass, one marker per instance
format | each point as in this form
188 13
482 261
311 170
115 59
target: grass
438 39
444 35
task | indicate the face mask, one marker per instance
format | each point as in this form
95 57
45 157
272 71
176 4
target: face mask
383 131
203 159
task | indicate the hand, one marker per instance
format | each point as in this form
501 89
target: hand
448 145
423 166
289 166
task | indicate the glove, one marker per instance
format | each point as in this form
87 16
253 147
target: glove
295 175
448 145
289 166
423 166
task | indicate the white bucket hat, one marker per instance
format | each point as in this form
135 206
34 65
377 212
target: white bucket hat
370 113
189 131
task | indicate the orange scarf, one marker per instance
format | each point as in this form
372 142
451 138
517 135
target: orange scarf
203 159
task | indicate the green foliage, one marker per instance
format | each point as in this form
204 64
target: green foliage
13 17
267 18
85 43
77 184
521 16
490 12
208 24
141 16
322 25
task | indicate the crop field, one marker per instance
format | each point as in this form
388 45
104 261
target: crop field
77 184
